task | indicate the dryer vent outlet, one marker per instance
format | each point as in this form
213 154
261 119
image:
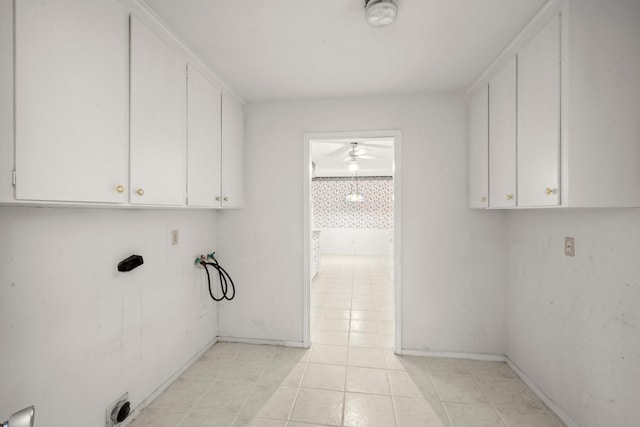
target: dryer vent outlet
118 411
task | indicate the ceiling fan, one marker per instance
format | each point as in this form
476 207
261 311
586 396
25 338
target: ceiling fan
357 150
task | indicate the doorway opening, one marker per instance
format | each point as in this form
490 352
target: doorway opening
351 247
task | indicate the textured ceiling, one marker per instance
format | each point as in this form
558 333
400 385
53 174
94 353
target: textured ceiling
300 49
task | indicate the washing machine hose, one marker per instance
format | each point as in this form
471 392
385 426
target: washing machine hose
226 283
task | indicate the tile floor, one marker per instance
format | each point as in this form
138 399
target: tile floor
349 377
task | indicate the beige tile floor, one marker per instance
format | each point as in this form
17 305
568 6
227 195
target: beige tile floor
349 377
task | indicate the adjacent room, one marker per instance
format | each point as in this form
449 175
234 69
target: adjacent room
319 213
352 226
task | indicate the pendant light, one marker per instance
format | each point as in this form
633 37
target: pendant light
354 196
380 13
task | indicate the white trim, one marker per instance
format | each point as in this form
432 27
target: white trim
260 341
306 240
541 18
306 223
565 140
456 355
397 238
552 405
136 411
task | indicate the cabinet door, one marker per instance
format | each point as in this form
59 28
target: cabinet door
232 153
479 149
71 100
539 118
502 137
203 148
158 120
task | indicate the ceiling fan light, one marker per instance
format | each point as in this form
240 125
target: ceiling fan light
353 166
380 13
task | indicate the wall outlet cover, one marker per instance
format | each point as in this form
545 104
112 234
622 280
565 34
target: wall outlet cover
569 246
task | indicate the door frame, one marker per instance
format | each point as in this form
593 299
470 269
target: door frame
308 138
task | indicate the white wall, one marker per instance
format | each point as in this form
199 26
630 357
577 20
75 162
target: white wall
355 241
453 296
573 322
75 333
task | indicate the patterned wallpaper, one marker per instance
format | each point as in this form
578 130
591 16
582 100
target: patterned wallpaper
331 210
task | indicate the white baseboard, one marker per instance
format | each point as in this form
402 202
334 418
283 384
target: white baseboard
298 344
453 355
166 384
552 406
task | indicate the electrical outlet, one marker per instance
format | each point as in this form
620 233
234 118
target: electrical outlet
569 246
174 237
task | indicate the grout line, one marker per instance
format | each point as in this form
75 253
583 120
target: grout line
295 400
393 403
253 389
475 379
346 363
213 381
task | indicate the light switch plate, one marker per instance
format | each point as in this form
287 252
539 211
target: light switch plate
569 246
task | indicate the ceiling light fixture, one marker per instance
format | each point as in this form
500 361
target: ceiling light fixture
353 166
380 13
22 418
354 196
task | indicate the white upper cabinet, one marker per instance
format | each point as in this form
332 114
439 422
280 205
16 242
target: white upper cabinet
502 137
96 107
524 140
539 118
601 104
71 103
232 153
158 120
478 149
577 107
7 192
204 136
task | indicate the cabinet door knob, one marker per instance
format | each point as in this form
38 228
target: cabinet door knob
509 196
140 192
549 191
120 189
483 199
226 199
217 198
